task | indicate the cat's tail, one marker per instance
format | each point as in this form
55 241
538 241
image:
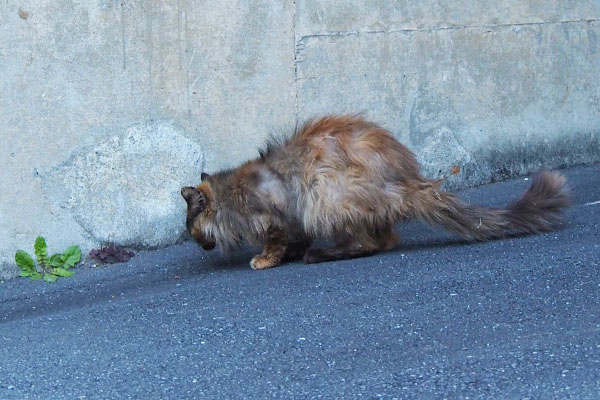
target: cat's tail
539 209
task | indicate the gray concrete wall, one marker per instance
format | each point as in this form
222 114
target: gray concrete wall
108 107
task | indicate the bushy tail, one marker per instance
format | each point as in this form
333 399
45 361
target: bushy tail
539 209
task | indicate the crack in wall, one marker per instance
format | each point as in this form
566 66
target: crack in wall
439 28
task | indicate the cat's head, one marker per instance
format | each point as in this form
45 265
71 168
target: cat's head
199 212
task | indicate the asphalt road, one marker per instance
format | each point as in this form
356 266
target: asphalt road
435 318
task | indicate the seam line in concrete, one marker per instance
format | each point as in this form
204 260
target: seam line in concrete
296 44
440 28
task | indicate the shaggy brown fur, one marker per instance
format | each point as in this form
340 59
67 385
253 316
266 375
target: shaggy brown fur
347 180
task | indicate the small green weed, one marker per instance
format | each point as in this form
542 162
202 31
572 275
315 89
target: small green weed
49 269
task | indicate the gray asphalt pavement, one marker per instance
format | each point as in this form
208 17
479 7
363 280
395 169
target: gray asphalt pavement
435 318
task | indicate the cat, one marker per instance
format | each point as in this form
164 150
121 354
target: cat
346 180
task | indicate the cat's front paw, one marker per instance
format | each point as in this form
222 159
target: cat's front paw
263 262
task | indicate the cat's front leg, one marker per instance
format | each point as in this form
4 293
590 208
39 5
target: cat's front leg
273 252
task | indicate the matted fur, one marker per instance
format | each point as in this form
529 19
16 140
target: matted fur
348 180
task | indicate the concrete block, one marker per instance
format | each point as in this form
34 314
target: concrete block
489 102
108 107
185 81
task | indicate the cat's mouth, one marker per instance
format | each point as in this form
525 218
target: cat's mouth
208 246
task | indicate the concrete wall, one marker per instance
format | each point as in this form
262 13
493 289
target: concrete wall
108 107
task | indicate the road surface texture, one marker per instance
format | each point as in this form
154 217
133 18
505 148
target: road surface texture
435 318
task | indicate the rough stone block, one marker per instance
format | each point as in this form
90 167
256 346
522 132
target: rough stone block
125 189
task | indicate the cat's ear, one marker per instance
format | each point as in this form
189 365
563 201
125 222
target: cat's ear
203 176
188 192
193 195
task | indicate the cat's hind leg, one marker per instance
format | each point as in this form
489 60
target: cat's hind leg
296 249
354 246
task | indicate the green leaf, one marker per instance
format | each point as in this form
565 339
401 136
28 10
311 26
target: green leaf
36 276
62 272
41 251
25 263
71 256
50 278
56 260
